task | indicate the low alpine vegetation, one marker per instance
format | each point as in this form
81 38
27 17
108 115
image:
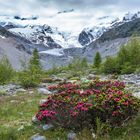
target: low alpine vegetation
126 61
31 76
77 106
6 70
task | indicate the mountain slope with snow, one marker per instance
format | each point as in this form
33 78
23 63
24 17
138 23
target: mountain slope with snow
58 47
48 36
103 24
53 37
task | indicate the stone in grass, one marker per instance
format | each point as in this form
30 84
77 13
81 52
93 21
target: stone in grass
91 77
35 120
30 91
47 127
42 101
43 85
21 128
94 136
21 90
71 136
137 94
43 91
38 137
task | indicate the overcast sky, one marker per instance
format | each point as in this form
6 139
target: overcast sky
85 11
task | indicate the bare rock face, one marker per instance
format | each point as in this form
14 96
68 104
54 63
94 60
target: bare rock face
85 38
122 31
11 49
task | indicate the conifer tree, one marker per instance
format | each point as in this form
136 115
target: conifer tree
31 77
84 62
34 62
97 60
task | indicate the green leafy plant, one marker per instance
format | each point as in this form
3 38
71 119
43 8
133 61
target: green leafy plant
127 60
84 63
97 60
111 66
31 76
6 70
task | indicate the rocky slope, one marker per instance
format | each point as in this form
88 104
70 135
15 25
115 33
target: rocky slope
105 24
16 48
91 33
125 30
109 42
14 52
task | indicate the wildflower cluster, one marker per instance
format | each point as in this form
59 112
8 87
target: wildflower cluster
64 87
77 106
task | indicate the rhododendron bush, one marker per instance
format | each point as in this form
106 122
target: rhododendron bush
78 105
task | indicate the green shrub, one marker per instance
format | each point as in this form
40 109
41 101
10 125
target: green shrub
127 68
127 59
31 76
97 60
78 64
137 71
6 70
8 135
111 65
57 70
84 63
123 56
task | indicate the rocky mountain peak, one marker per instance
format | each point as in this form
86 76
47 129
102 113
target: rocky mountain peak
131 16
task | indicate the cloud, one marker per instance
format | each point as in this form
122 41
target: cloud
77 3
85 11
84 4
49 7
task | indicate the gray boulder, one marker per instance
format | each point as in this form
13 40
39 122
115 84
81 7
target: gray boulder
91 77
35 120
38 137
43 91
71 136
11 89
42 101
47 126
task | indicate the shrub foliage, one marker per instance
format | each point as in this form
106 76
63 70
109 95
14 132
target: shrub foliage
97 60
6 70
31 76
77 106
127 60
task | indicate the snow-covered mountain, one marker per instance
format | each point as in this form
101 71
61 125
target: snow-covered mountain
49 36
131 16
58 47
103 24
28 27
91 33
53 37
